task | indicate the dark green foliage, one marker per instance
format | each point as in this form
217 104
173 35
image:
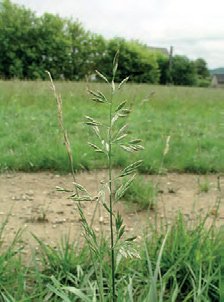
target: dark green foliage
201 68
183 71
15 36
51 51
32 44
189 73
86 51
135 61
163 63
203 76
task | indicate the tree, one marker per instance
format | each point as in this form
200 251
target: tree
203 75
30 45
52 48
183 71
135 60
78 46
163 63
15 26
86 50
201 68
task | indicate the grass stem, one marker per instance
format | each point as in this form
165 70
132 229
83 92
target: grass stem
111 201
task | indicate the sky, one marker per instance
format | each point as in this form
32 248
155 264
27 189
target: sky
194 28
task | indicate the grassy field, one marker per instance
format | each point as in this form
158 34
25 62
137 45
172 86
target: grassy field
192 117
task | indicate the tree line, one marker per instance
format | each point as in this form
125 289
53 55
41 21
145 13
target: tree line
31 44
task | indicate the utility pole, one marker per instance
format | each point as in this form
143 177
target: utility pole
170 80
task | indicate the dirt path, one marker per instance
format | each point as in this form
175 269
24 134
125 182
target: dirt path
36 206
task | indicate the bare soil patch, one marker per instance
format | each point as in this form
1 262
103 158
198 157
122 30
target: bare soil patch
33 204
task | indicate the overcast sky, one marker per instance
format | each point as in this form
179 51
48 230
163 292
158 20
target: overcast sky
194 28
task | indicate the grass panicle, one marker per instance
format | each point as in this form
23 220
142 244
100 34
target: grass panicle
108 135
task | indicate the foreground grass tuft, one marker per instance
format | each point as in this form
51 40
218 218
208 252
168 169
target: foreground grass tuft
141 193
183 263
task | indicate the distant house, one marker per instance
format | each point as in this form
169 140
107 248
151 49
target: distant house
217 80
162 50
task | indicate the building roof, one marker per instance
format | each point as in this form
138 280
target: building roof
160 49
219 77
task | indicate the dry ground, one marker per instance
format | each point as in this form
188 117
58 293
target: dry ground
33 204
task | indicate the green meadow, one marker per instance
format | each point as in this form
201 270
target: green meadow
30 139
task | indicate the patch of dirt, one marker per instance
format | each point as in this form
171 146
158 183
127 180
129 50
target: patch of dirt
32 203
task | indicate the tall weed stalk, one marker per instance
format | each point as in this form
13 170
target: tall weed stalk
108 135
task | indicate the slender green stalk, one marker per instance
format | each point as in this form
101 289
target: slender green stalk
111 201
